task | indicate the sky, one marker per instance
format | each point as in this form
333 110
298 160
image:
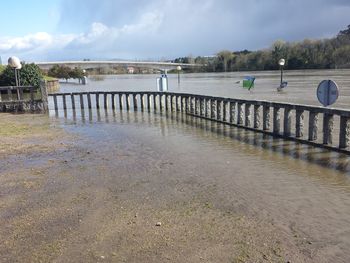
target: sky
56 30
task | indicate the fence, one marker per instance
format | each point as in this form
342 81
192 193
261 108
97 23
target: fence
23 99
318 126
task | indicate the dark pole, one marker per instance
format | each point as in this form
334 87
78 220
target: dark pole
18 77
16 80
281 76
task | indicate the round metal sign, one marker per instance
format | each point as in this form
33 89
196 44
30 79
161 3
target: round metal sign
327 92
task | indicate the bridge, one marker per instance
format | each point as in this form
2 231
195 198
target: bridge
112 63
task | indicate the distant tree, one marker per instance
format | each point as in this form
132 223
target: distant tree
61 72
345 32
225 57
307 54
342 57
76 73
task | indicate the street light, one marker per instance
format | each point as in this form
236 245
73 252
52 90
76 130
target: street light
178 68
281 62
15 63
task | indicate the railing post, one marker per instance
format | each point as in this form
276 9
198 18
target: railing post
105 100
328 125
160 95
171 102
207 107
266 117
186 103
81 101
44 95
148 101
9 94
198 105
201 109
134 101
113 100
142 102
232 111
247 114
72 100
344 132
195 105
218 109
89 100
239 113
127 100
299 123
256 116
97 97
313 120
166 101
154 101
176 102
224 110
287 122
120 97
64 102
191 105
276 119
212 108
55 102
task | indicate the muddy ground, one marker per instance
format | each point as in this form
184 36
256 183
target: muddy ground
67 198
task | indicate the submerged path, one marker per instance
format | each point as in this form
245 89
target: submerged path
220 194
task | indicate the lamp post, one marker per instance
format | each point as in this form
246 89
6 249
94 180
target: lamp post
281 62
15 63
178 68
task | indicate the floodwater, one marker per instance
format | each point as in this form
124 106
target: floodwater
301 87
302 190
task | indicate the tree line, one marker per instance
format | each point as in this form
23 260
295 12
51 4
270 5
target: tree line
330 53
64 72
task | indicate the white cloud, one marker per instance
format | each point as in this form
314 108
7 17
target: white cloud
98 38
172 28
25 43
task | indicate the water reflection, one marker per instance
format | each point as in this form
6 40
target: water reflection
259 145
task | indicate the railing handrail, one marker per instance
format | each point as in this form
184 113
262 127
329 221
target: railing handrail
293 106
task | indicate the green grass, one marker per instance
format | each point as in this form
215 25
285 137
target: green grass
48 78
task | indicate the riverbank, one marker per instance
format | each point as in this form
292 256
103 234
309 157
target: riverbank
107 195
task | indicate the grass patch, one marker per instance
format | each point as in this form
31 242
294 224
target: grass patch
48 78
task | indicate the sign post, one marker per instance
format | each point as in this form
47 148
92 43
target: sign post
327 92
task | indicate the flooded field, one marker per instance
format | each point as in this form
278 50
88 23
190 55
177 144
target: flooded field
301 87
118 186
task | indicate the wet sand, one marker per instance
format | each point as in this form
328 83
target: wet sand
74 190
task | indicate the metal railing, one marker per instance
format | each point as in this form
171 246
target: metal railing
323 127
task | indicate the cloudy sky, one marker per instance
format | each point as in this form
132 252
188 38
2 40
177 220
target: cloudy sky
37 30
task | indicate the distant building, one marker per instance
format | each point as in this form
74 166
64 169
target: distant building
0 61
131 70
